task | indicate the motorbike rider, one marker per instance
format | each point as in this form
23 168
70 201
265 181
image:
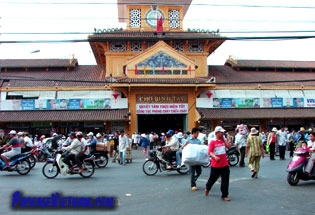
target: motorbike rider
75 147
15 146
171 147
28 143
69 139
311 148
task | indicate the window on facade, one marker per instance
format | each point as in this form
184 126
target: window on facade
118 46
195 47
178 46
173 18
136 46
135 18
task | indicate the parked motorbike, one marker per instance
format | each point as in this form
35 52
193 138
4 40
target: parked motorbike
17 163
233 156
296 167
157 162
56 166
101 158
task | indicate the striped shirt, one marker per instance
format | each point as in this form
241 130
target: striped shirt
254 143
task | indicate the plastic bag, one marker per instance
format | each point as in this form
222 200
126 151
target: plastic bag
267 148
194 154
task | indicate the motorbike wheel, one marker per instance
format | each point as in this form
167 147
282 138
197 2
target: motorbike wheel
207 165
233 159
293 178
149 168
50 170
23 167
88 170
32 160
183 170
101 161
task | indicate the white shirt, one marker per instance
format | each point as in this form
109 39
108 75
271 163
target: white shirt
202 137
123 143
311 144
28 141
240 140
282 138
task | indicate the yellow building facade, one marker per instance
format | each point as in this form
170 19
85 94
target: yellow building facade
159 70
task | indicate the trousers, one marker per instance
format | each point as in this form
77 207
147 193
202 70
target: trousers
215 173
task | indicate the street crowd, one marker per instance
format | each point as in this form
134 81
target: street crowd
249 142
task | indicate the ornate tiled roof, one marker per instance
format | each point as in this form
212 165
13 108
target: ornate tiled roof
227 76
270 64
37 63
152 35
94 75
63 115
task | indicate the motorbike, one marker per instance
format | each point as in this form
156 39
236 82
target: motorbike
101 158
296 167
55 166
233 156
33 156
17 163
157 162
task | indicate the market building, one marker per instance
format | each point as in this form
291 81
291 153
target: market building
153 76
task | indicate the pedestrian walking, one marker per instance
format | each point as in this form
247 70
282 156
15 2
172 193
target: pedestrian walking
255 148
219 163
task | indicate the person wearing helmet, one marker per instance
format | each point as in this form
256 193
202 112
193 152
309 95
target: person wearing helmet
74 149
14 147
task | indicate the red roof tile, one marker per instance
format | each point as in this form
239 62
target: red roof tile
226 75
63 115
37 63
270 64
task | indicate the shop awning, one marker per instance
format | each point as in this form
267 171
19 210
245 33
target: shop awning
63 115
255 113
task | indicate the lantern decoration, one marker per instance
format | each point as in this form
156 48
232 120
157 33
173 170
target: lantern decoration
115 95
209 94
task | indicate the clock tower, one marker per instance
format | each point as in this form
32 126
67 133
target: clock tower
144 16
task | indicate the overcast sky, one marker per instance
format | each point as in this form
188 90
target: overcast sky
247 18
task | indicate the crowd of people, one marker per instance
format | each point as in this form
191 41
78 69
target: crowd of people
250 142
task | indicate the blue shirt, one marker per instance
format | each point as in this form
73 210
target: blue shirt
191 140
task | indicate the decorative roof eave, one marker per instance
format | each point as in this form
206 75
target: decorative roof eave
64 115
152 36
160 85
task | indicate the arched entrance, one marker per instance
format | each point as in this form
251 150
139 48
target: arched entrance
161 122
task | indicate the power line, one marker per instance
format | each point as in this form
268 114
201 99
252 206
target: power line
166 4
165 37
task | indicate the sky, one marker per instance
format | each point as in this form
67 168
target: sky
55 20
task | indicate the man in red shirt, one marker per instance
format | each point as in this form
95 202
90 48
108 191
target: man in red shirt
219 163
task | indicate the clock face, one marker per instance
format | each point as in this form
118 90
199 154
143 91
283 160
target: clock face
152 16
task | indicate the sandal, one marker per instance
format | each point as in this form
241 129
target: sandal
227 199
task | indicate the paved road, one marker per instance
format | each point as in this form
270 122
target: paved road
168 193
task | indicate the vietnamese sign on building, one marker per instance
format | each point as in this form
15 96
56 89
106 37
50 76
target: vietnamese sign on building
162 108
